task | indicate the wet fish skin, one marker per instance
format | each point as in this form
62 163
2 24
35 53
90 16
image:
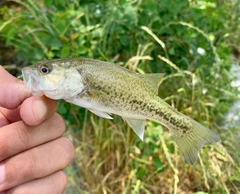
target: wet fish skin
105 88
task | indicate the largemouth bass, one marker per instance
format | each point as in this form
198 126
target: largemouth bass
105 88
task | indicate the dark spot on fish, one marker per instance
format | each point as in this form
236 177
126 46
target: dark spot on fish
179 124
120 96
160 113
133 101
98 88
166 117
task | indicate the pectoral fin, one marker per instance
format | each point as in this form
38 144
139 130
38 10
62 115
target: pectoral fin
137 125
100 114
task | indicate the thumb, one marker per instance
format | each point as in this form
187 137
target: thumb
13 91
35 110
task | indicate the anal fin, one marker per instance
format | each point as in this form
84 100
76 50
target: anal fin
137 125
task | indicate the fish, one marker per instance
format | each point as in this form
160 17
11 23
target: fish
105 88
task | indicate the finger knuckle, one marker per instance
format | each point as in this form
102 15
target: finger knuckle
19 141
23 137
4 147
31 167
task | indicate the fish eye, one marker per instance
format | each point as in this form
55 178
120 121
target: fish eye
44 69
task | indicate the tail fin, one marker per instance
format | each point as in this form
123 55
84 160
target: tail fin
191 143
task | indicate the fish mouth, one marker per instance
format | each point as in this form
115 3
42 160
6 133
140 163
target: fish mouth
31 81
27 79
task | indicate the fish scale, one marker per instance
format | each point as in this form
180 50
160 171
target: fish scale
105 88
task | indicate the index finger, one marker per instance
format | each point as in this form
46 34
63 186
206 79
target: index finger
13 91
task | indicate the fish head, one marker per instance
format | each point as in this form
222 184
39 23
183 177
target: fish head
54 79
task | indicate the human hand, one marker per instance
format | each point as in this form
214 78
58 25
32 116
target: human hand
32 149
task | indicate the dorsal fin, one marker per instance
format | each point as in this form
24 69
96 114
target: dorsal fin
154 79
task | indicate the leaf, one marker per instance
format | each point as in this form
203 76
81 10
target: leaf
48 3
60 24
82 49
55 43
124 40
158 165
65 51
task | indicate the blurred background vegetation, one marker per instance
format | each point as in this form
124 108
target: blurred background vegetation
194 42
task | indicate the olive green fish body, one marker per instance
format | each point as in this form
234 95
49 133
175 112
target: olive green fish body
105 88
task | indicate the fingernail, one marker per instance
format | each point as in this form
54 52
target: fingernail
40 109
2 173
